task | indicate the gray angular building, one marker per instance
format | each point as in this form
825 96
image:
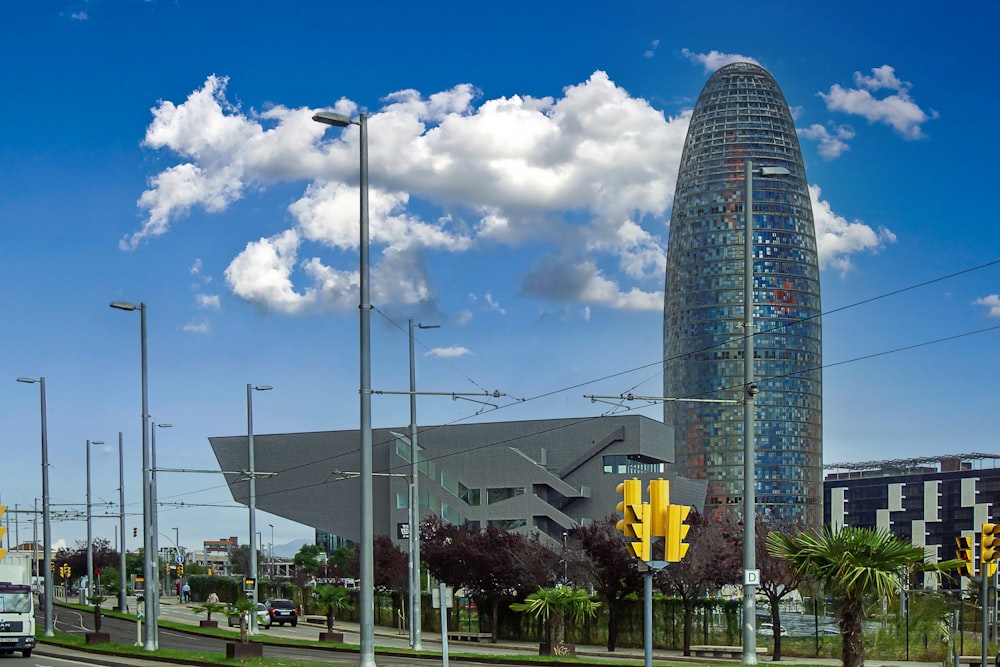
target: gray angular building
547 475
740 115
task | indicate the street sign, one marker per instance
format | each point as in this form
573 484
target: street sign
178 559
751 577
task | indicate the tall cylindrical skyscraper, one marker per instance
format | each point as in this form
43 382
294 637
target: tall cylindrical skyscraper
740 115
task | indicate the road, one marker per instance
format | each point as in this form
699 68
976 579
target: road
73 621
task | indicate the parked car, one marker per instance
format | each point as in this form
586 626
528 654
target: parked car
282 611
767 630
263 618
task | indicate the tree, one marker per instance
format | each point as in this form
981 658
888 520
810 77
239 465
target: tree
332 600
777 577
709 563
553 606
492 563
391 565
614 572
851 564
240 559
308 558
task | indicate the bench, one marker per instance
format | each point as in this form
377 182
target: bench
470 636
734 652
320 620
972 660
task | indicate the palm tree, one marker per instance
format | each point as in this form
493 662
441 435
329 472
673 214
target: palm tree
850 564
553 605
331 600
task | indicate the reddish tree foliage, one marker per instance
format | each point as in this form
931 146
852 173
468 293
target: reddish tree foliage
713 560
491 563
614 572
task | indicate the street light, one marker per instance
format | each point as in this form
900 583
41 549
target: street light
253 495
270 554
414 551
46 525
90 537
149 569
366 599
750 389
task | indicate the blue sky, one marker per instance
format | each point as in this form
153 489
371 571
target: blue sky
522 158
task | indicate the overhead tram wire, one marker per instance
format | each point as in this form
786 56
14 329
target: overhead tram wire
662 361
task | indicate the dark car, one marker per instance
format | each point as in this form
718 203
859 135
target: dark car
282 611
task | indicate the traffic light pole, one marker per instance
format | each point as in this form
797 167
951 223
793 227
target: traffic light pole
984 603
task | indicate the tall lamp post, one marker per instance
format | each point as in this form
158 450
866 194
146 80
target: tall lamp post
253 494
90 537
122 601
270 554
751 575
366 600
414 551
149 568
46 525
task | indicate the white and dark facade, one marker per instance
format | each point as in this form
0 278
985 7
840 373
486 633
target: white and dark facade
927 501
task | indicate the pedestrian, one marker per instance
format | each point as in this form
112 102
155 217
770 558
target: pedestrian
177 586
185 592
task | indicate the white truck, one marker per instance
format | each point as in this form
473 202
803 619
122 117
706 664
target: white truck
17 604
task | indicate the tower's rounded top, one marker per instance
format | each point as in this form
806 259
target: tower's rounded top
741 67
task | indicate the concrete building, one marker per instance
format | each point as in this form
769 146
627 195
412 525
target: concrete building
741 115
546 476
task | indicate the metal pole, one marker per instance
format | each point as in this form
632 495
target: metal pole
984 592
90 536
367 595
749 474
647 617
122 597
253 504
155 537
414 551
46 525
442 591
150 567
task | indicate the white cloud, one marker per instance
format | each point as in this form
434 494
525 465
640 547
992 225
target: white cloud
494 306
448 352
992 303
196 267
208 301
651 51
837 238
590 174
897 110
198 327
713 60
79 16
832 142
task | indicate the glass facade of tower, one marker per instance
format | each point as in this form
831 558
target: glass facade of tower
741 114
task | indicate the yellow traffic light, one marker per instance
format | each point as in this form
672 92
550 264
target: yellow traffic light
989 545
659 501
634 513
966 553
677 530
